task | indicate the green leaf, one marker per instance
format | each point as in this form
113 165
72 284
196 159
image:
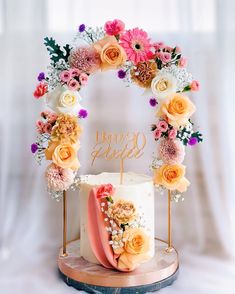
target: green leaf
187 88
197 135
159 63
153 127
109 199
123 226
185 142
55 51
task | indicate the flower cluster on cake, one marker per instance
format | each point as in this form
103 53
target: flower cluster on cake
161 71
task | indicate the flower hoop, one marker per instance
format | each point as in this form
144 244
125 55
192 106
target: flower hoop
153 66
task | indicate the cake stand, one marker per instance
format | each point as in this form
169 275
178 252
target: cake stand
161 271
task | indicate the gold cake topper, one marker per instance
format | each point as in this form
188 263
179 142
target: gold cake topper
122 146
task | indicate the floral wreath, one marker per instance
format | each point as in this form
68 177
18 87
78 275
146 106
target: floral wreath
155 67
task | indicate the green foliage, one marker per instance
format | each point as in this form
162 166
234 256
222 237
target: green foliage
153 127
109 199
123 226
197 135
159 63
55 51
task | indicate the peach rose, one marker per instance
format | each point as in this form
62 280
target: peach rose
63 155
122 211
177 109
171 177
136 248
111 53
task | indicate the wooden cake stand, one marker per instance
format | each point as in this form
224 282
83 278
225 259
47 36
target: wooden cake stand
159 272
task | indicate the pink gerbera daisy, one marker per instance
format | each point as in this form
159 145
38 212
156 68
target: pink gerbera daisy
136 44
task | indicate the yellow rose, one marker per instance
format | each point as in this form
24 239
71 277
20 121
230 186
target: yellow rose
171 177
177 109
136 248
122 211
63 155
111 53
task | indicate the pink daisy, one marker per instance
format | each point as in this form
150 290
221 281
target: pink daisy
136 44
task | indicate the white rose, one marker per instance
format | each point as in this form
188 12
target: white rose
163 85
62 100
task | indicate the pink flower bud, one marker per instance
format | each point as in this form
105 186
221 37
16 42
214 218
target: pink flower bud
194 85
182 62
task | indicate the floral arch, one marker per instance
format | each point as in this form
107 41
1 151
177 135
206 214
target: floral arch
157 68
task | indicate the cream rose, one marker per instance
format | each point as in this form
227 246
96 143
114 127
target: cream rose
163 85
171 177
122 211
111 53
177 109
63 100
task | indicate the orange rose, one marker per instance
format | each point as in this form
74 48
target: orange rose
136 248
63 155
171 177
111 53
177 110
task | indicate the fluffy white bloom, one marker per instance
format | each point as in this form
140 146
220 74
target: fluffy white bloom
163 85
63 100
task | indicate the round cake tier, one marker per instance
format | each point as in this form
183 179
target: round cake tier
137 188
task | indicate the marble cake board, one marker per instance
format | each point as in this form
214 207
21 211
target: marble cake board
159 272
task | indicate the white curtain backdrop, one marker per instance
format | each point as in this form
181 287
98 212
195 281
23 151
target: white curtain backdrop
31 222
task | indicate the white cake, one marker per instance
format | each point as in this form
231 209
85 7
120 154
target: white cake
137 188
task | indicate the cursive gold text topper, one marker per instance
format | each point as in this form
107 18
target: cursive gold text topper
120 146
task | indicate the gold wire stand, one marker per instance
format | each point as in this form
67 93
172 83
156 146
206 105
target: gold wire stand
64 251
169 242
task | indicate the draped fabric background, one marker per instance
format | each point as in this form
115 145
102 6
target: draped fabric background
30 222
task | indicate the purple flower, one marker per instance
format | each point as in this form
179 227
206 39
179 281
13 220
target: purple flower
193 141
153 102
121 74
82 113
41 76
81 28
34 147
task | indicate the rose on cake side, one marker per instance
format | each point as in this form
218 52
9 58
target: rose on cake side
122 211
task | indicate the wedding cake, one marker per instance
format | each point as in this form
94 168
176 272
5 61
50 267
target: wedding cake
117 220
